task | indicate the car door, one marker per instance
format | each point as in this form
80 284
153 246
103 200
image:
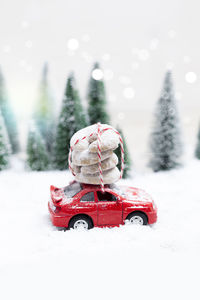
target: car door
109 211
87 205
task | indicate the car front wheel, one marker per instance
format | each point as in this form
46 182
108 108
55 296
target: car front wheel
138 218
80 222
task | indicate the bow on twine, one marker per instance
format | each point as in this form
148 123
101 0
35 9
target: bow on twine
99 132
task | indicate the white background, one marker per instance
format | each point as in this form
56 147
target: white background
151 262
135 41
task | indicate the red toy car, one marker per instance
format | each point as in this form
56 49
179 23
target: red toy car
85 206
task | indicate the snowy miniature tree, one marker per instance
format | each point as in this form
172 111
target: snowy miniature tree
165 143
37 157
97 109
5 147
8 115
44 115
127 159
80 114
71 119
197 150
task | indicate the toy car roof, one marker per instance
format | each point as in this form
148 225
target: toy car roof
94 186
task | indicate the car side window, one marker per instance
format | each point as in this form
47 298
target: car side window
106 196
88 197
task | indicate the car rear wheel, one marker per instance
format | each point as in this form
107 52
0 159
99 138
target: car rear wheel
138 218
80 222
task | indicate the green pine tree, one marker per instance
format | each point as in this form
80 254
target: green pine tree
165 143
127 159
97 109
37 157
44 115
80 115
5 147
197 150
8 115
71 119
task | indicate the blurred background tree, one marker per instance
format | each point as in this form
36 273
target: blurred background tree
97 108
44 114
197 150
127 158
37 156
5 147
165 143
9 117
80 113
72 118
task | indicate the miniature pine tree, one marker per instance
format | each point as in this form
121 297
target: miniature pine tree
4 145
71 119
44 112
8 115
37 157
80 115
197 150
97 109
127 159
165 143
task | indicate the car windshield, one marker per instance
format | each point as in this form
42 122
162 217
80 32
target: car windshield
72 189
117 190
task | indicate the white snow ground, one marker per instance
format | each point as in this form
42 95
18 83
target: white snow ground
159 262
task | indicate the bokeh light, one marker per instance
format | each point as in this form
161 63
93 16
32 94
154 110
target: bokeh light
97 74
73 44
129 93
106 57
24 24
135 65
87 57
186 59
85 37
154 44
28 44
172 34
170 65
143 54
7 49
190 77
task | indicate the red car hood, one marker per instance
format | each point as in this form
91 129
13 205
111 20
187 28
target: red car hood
137 196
